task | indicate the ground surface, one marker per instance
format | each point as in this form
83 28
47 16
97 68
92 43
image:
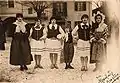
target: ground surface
46 75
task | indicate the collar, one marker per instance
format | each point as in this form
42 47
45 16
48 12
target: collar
55 25
39 26
17 23
84 24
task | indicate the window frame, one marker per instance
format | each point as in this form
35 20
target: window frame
80 6
11 4
30 10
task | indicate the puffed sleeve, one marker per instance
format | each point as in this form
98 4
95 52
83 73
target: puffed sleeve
74 30
27 30
62 33
44 32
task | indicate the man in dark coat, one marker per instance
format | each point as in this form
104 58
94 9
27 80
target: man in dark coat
2 35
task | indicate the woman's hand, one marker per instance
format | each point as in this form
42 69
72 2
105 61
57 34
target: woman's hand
42 38
102 40
92 40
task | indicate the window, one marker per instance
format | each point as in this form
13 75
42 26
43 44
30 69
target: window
80 6
60 9
30 10
10 3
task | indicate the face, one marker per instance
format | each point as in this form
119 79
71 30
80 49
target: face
53 21
98 19
19 19
38 22
85 20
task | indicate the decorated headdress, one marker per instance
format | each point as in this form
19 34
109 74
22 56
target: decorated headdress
98 13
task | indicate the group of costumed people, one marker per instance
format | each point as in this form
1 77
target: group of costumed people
28 42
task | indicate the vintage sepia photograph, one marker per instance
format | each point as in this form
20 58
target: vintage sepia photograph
59 41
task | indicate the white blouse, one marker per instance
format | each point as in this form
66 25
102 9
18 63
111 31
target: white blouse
20 26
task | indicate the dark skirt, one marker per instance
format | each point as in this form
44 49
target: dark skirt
68 52
97 52
20 52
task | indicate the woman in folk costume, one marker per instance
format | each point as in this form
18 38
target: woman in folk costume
20 51
68 47
98 41
83 45
38 35
53 44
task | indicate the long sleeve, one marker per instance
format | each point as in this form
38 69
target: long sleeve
44 33
31 30
74 30
61 30
27 30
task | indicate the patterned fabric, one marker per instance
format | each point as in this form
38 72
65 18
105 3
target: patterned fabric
83 47
98 46
37 47
53 46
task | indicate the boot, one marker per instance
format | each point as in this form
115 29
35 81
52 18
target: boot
21 68
51 59
86 62
70 66
25 67
39 59
96 67
66 67
36 61
55 66
55 60
82 63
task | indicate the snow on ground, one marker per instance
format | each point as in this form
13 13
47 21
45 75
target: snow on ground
46 75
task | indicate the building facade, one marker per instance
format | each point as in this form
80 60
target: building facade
70 11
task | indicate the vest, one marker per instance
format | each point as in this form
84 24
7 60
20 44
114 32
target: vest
53 33
70 38
84 34
37 34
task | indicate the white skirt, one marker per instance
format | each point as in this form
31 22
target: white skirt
53 46
37 47
83 48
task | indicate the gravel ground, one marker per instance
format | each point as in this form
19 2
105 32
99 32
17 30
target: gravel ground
46 75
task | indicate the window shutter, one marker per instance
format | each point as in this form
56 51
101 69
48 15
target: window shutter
65 9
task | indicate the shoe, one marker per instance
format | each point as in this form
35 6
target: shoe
70 67
55 66
40 67
83 68
25 67
86 69
52 66
36 66
95 69
66 67
21 68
